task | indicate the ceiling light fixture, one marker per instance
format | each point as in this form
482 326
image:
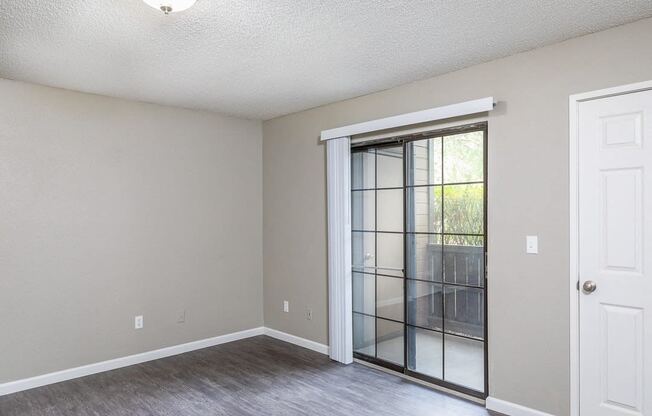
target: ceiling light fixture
170 6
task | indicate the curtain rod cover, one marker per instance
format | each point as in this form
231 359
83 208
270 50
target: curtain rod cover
432 114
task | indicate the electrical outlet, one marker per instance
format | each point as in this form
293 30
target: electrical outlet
309 314
286 306
138 322
181 317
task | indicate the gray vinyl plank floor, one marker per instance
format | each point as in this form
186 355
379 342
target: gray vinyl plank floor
255 376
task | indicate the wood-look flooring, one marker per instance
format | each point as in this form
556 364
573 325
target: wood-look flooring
255 376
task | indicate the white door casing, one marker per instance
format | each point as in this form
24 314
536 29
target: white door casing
615 240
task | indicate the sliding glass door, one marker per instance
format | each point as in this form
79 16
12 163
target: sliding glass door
418 241
377 244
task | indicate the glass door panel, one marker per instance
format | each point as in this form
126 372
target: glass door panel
425 304
427 353
363 245
363 206
389 294
377 217
390 341
364 293
389 247
419 233
364 330
464 362
445 224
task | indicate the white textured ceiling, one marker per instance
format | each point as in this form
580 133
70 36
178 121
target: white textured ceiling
264 58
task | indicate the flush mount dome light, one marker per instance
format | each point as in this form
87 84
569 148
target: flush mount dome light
170 6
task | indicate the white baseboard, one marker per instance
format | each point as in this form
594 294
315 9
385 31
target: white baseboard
86 370
512 409
63 375
293 339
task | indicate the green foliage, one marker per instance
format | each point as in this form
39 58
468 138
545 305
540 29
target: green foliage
464 212
463 204
463 209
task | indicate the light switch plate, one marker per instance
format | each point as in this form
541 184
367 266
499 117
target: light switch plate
532 244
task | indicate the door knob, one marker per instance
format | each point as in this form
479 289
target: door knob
589 286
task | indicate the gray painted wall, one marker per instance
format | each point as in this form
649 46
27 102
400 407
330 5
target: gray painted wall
528 194
113 208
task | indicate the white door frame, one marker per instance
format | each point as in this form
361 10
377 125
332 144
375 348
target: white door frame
574 278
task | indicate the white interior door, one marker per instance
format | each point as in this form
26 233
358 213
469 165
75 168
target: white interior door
615 237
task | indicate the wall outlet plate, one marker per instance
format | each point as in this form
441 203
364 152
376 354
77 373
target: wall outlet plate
309 314
138 322
286 306
181 317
